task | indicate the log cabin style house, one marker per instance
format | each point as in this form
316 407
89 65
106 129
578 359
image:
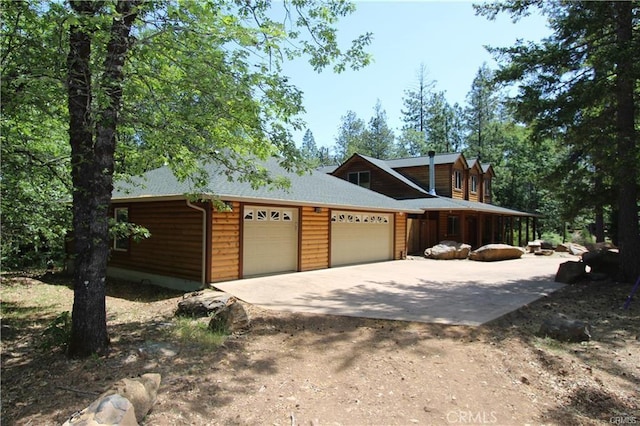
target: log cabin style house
454 197
320 221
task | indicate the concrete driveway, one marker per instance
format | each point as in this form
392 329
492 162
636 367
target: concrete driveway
431 291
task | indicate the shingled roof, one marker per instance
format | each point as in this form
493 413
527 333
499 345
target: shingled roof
315 188
444 203
448 158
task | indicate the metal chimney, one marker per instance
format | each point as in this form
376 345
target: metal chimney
432 173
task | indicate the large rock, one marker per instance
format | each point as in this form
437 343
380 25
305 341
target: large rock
570 272
204 303
448 250
603 261
565 330
126 403
573 248
232 318
494 252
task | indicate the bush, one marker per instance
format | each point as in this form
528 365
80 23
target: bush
58 333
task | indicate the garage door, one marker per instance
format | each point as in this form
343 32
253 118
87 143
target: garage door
360 237
270 240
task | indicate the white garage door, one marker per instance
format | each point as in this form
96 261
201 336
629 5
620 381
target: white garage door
270 240
360 237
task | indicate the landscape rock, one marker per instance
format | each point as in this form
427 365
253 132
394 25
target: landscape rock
544 252
204 303
565 329
573 248
570 272
141 391
495 252
534 246
232 318
604 261
448 250
111 410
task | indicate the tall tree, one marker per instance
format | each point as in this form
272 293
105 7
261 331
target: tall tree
350 136
580 86
482 117
416 101
309 148
378 139
180 83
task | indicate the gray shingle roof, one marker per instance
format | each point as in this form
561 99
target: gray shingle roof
315 188
423 161
383 165
444 203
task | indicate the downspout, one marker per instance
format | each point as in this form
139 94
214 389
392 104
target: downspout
432 173
204 242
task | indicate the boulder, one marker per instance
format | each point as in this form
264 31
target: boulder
494 252
573 248
570 272
232 318
565 329
448 250
605 261
204 303
534 246
544 252
110 410
126 403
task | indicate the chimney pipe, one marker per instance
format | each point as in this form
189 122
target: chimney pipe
432 173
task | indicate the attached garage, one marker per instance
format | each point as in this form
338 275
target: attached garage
360 237
269 240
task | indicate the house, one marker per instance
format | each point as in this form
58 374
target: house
320 221
454 196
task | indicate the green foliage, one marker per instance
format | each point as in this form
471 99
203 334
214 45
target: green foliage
378 138
57 334
35 156
350 136
195 331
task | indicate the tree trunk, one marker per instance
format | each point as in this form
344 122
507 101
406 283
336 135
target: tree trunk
629 230
92 173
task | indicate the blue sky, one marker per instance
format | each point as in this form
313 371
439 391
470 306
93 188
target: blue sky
446 36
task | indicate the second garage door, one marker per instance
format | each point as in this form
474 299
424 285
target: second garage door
270 240
358 237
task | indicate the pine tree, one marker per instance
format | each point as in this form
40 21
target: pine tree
350 136
378 139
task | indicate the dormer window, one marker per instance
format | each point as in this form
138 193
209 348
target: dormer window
474 183
458 179
362 179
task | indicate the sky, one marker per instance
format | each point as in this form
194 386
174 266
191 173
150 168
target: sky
446 36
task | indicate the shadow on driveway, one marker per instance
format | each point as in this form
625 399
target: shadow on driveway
448 292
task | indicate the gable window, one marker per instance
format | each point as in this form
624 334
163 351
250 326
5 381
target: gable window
453 225
362 179
474 183
487 188
121 215
457 174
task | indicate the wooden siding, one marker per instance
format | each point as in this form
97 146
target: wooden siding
380 181
175 246
225 244
400 236
314 239
420 176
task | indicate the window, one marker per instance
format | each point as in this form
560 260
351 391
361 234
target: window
121 215
362 179
458 179
474 183
487 188
453 225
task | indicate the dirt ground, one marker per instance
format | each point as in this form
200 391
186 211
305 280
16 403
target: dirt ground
308 369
